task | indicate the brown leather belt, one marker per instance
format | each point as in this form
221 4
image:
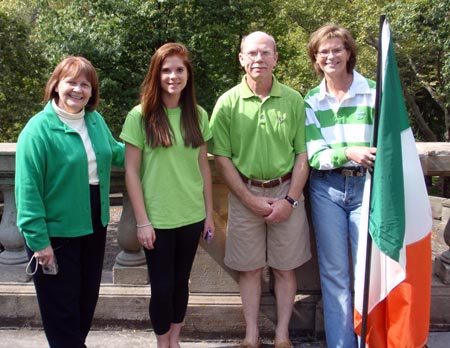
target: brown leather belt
266 183
350 171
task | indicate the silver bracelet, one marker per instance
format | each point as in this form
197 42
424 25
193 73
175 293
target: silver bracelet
144 225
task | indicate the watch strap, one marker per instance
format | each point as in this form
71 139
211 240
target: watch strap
291 200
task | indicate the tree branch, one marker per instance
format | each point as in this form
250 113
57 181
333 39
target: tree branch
418 115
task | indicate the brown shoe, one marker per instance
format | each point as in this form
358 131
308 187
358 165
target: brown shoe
286 344
245 344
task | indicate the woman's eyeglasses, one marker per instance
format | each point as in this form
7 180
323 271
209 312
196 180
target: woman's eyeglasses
335 51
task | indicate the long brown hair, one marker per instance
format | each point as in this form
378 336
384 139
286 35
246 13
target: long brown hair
73 67
157 126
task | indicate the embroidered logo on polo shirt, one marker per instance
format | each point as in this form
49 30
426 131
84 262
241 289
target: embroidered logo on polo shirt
281 119
360 114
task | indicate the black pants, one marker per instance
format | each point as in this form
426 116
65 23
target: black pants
169 267
67 300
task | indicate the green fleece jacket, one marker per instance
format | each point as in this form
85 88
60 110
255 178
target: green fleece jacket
52 180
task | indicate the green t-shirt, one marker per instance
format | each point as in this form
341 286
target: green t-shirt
171 180
262 138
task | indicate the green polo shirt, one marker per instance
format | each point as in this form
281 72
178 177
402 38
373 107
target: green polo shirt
171 180
52 178
262 138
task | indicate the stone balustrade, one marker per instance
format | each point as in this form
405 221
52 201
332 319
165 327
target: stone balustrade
435 160
13 259
209 274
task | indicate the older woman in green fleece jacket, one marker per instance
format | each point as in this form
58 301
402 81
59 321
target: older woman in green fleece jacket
63 165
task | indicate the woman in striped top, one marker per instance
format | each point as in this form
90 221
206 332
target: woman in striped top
339 122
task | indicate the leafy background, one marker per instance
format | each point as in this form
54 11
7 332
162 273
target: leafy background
120 36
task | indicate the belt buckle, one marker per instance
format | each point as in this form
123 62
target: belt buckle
347 172
271 183
360 172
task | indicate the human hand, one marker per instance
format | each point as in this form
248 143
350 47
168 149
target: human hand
282 209
209 226
45 256
362 155
261 206
146 236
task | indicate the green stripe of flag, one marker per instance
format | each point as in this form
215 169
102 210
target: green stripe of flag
387 210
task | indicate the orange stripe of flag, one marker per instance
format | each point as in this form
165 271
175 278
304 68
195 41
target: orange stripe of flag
397 321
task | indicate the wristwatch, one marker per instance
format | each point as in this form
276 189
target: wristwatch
291 200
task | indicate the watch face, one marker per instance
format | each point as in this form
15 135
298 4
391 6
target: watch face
295 204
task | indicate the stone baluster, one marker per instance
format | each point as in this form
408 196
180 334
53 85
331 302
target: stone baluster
13 259
10 237
130 266
435 161
442 262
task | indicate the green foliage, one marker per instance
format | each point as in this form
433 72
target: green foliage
120 36
298 19
421 29
21 85
423 43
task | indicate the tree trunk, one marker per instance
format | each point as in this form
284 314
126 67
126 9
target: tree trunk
425 130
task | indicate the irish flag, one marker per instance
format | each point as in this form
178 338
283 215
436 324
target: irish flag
398 217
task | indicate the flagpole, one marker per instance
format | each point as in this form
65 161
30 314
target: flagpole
369 238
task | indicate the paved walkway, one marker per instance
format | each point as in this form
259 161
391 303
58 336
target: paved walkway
27 338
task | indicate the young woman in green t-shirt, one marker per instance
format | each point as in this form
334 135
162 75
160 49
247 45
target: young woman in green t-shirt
169 183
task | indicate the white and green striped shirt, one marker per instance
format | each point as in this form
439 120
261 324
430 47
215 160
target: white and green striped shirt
331 126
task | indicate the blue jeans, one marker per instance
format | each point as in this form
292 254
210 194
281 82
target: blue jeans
336 208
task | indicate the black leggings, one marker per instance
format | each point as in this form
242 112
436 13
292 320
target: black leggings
169 266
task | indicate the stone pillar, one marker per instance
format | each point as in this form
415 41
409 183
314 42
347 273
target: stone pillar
130 266
10 237
13 259
209 273
442 262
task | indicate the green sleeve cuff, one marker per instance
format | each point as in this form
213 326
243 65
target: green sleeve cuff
36 242
339 157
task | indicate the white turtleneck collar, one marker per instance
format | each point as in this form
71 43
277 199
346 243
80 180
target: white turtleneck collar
67 115
78 124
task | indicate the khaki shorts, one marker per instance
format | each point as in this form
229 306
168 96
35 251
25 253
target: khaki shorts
252 243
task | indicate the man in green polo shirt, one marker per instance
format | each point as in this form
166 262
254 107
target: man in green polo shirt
259 145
